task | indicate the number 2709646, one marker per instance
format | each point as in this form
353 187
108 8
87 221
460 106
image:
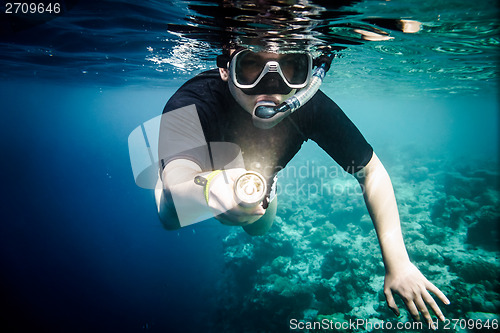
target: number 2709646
32 8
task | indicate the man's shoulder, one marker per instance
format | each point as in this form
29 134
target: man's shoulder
322 99
203 89
210 77
320 104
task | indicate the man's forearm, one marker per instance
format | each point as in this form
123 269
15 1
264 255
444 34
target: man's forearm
381 204
188 203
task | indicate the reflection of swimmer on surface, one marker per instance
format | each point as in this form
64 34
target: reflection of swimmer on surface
266 103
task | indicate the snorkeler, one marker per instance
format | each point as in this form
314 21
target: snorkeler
257 102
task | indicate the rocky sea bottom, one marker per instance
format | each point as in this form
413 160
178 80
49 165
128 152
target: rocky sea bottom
319 268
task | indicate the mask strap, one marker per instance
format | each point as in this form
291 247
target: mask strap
224 59
325 59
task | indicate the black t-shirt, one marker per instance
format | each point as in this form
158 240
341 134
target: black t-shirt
222 119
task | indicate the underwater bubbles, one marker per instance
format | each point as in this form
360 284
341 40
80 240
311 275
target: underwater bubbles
463 48
397 50
184 56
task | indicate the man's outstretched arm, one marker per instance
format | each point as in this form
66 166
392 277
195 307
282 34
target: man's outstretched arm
401 277
180 201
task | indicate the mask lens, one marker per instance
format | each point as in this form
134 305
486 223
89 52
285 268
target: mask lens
248 67
295 67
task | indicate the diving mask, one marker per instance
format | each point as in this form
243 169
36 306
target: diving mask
265 73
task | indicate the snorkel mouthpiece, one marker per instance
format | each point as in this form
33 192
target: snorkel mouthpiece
267 114
265 110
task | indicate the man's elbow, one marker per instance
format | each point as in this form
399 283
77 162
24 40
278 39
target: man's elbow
168 217
170 224
373 172
166 208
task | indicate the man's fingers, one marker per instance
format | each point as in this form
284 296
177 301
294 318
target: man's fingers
432 303
390 302
412 308
257 210
414 291
237 218
237 215
419 302
433 289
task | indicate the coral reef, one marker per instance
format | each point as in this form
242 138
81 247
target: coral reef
321 262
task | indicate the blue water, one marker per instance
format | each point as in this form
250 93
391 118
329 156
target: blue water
81 247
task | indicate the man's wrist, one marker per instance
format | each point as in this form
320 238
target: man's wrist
205 182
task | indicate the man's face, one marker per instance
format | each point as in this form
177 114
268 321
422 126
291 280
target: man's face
247 101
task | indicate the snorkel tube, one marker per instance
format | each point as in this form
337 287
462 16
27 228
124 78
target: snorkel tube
266 114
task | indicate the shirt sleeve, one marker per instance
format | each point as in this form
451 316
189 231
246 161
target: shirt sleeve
182 136
188 117
333 131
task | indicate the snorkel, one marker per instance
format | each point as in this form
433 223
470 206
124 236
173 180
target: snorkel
267 115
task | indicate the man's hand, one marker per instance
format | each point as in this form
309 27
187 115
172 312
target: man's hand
413 288
222 202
